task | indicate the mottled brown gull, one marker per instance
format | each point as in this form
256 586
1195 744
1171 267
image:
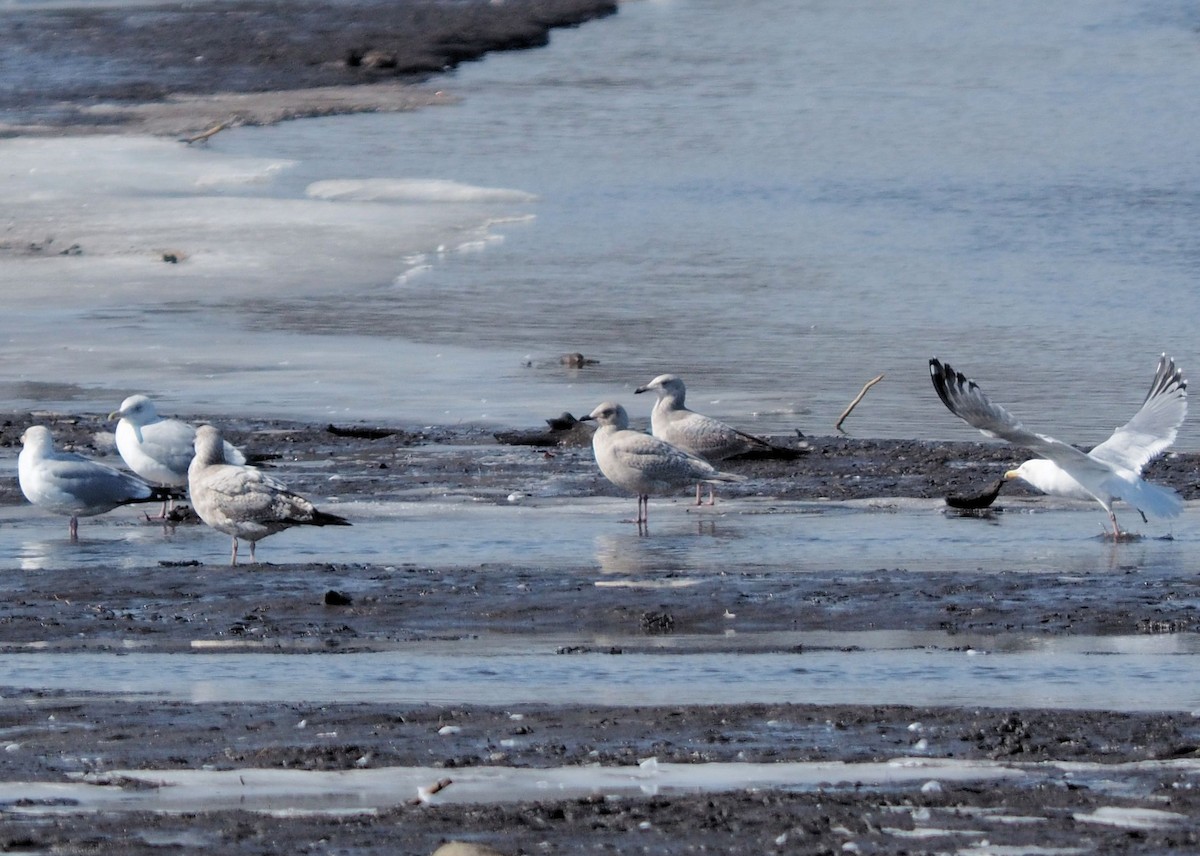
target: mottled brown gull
70 484
242 501
1110 471
711 439
641 464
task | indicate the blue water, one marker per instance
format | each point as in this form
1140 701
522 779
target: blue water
780 201
777 201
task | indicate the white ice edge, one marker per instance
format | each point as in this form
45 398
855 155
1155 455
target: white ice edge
366 790
270 790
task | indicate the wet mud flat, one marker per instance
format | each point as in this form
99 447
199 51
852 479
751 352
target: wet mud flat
179 68
1139 795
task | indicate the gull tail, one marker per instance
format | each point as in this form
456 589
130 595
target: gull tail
159 494
1152 499
324 518
724 477
766 450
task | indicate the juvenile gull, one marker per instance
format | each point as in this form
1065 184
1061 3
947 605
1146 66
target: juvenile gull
158 449
1110 471
641 464
70 484
243 502
711 439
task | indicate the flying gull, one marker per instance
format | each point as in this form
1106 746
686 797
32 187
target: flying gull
711 439
70 484
242 501
156 448
641 464
1110 471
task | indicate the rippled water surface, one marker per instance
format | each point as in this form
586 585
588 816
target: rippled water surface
777 201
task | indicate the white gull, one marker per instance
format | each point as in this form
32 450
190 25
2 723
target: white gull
70 484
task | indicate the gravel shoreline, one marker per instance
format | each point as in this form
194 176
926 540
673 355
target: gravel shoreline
63 610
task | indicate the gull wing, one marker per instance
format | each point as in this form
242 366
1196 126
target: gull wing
91 484
245 493
1153 428
963 397
659 460
170 442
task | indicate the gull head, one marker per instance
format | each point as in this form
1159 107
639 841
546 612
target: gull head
1043 474
137 409
609 414
666 386
37 438
210 448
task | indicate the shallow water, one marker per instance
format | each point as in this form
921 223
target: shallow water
684 548
1118 674
778 202
791 537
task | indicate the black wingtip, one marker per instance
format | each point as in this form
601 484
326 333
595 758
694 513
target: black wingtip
324 518
1167 377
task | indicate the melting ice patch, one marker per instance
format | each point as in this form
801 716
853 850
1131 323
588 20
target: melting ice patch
413 190
365 790
161 257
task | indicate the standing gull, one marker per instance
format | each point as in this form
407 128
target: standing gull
711 439
243 502
1110 471
158 449
641 464
70 484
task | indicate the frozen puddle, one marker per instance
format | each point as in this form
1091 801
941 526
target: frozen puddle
296 792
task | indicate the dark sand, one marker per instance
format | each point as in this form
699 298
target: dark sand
286 605
184 69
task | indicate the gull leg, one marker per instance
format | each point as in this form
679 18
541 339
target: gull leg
643 515
253 558
712 494
233 558
698 502
73 528
1116 529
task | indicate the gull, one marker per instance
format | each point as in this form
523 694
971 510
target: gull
641 464
158 449
70 484
242 501
1110 471
711 439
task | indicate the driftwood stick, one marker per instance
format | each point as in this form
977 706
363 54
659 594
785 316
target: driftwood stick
213 131
423 794
857 399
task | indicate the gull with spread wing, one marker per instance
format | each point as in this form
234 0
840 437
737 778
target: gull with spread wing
1110 471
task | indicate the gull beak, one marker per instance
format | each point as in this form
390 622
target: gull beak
641 389
1011 474
588 418
116 414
